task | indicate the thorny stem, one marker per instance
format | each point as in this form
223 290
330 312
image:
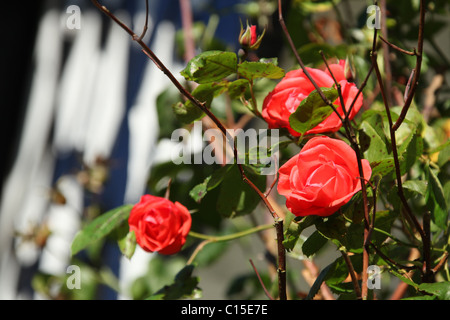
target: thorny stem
394 147
211 239
338 86
351 136
392 130
261 282
186 18
281 261
278 222
393 46
300 61
415 81
144 31
387 63
352 273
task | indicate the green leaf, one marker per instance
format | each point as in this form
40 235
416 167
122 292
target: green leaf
339 269
313 243
236 197
207 91
318 282
413 151
417 186
382 167
439 289
373 142
404 278
294 229
200 190
312 110
211 182
237 88
383 221
444 154
334 227
100 227
436 200
127 244
183 287
187 112
253 70
210 66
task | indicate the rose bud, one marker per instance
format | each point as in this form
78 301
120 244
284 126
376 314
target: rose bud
159 224
321 178
249 39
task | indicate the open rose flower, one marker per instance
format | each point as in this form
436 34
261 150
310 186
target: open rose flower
321 178
159 224
295 86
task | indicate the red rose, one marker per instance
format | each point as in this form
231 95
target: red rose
295 86
321 178
159 224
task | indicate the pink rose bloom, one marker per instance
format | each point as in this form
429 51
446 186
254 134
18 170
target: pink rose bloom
295 86
321 178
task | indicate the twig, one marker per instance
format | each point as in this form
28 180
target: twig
338 86
387 62
281 261
395 152
300 61
428 274
167 194
441 263
415 81
393 46
362 86
275 179
261 282
352 273
403 286
186 20
392 262
350 134
211 239
408 84
197 250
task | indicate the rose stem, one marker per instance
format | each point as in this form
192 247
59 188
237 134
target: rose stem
261 282
351 136
387 63
395 153
210 239
417 68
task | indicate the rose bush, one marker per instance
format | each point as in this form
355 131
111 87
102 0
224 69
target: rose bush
321 178
160 225
406 162
295 86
